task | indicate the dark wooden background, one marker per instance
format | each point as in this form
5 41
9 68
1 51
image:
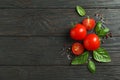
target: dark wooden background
32 32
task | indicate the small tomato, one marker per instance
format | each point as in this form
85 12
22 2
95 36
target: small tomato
92 42
89 23
77 48
78 32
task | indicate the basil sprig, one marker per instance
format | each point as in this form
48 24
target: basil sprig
100 31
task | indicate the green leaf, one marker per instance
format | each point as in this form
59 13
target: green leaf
80 59
91 66
98 27
101 55
80 11
101 32
106 30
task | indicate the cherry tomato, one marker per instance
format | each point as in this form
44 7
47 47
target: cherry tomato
78 32
77 48
92 42
89 23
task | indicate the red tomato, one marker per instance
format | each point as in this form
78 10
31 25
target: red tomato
77 48
89 23
78 32
92 42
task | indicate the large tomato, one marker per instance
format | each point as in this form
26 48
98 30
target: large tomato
78 32
89 23
92 42
77 48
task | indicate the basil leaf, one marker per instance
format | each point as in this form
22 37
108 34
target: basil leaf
98 27
80 59
101 55
91 66
80 11
106 30
101 32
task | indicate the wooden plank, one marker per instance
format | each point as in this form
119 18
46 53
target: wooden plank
31 22
58 73
46 50
58 3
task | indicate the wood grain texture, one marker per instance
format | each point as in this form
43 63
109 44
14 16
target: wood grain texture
53 22
58 73
46 50
59 3
33 32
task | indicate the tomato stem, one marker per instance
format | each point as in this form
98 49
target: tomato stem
72 24
88 17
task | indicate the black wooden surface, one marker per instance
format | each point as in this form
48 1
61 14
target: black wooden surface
32 32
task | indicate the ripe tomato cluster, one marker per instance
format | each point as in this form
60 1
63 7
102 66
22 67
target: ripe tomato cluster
90 41
89 34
